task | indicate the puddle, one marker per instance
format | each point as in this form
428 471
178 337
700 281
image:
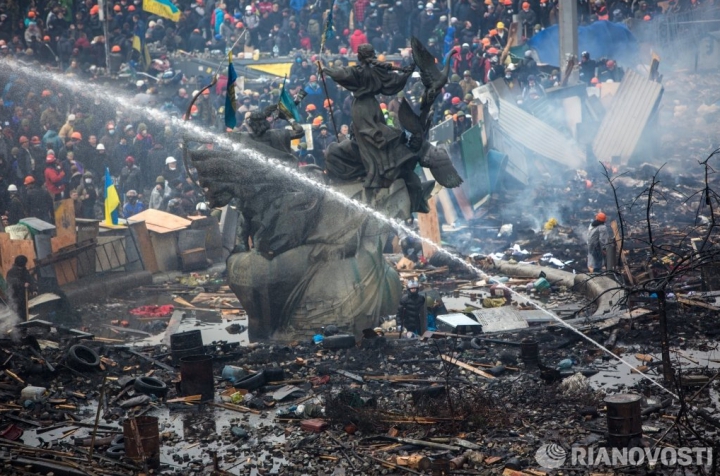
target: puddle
613 374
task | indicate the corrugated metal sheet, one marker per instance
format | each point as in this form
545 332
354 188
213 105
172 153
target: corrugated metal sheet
539 137
636 100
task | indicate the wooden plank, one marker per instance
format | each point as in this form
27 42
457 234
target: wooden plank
10 249
160 222
142 240
692 302
463 203
166 250
465 366
429 228
65 235
447 205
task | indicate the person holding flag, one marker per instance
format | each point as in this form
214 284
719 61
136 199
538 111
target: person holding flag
230 98
112 200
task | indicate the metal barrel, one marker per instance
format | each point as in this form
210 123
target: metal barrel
624 419
196 373
185 343
148 448
529 351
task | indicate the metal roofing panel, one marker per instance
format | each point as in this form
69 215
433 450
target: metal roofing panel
539 137
621 129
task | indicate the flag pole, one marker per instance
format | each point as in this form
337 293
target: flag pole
328 25
327 97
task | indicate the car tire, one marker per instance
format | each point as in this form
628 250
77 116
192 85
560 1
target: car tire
343 341
274 374
252 382
82 358
119 440
115 452
150 386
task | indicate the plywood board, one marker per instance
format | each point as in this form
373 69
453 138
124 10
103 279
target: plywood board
10 249
142 240
160 222
166 251
65 223
429 228
447 205
66 270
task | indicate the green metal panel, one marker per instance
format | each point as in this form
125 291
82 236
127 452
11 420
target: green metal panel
477 183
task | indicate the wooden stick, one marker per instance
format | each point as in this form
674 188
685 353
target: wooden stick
465 366
97 418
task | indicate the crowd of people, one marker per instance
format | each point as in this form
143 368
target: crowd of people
55 144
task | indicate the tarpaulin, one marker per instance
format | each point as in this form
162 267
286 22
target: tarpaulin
602 39
153 311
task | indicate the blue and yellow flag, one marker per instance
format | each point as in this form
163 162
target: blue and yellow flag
139 45
287 105
230 100
112 200
162 8
329 28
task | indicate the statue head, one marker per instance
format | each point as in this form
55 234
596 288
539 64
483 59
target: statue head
366 53
258 122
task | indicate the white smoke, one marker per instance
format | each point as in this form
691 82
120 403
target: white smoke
8 320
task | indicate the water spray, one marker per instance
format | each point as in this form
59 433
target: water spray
85 89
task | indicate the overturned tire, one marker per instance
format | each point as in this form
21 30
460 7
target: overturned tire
150 386
119 440
274 374
343 341
82 358
115 452
252 382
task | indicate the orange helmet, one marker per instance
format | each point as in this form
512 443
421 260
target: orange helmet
193 109
317 121
94 10
601 217
46 38
493 32
117 8
31 14
525 5
647 18
28 180
310 107
383 106
115 49
507 3
493 51
327 102
46 93
239 25
485 41
131 8
594 81
76 135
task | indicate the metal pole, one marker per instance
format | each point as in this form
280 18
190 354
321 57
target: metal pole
104 19
568 30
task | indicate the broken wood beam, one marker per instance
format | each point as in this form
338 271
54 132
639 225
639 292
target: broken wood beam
465 366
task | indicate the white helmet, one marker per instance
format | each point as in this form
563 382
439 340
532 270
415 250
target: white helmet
100 147
12 188
202 206
170 160
412 284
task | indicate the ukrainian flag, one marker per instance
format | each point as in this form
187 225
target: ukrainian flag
162 8
112 200
138 44
287 105
230 101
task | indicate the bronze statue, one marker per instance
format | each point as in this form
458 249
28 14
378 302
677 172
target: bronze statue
308 258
